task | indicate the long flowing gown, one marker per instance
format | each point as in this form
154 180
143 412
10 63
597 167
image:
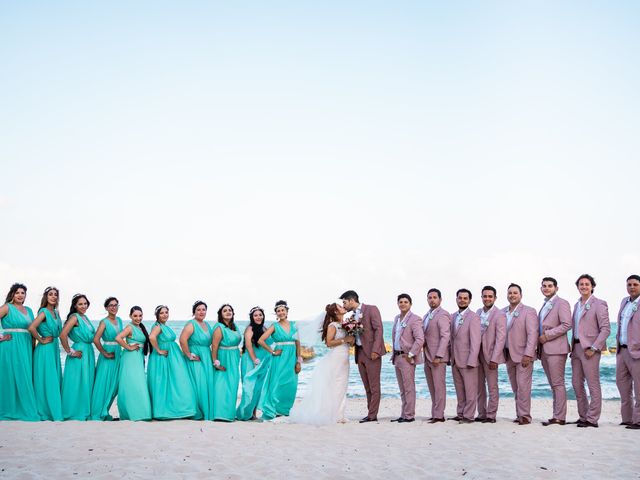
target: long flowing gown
17 396
226 383
252 380
77 381
281 382
133 395
325 401
170 388
201 372
47 371
105 387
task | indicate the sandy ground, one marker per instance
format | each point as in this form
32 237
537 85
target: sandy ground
180 449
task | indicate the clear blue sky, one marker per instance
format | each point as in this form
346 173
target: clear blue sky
248 151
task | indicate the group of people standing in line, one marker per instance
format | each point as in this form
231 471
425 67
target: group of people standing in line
475 343
198 379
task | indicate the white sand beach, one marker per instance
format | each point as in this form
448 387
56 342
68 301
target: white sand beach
197 449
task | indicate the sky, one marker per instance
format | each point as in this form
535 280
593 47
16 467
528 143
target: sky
246 152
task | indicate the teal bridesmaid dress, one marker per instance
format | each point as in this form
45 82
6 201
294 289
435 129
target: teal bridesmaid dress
170 388
77 381
17 396
252 380
201 373
47 371
133 395
281 383
226 383
105 387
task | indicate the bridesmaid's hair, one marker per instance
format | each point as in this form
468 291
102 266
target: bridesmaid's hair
109 300
281 303
232 325
256 329
158 310
331 312
44 303
12 291
74 303
147 348
196 305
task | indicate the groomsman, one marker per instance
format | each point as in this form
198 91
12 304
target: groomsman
628 355
408 339
520 350
437 334
465 347
554 321
369 350
590 331
493 326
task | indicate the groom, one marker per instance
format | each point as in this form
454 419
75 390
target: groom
369 350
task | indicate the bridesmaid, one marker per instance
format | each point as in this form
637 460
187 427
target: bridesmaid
47 371
226 360
170 388
79 367
17 397
133 395
254 365
281 383
195 341
105 387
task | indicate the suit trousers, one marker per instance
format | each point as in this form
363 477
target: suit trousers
521 379
554 366
487 380
628 381
437 383
406 375
370 373
466 382
583 368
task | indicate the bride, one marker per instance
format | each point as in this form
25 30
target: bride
326 400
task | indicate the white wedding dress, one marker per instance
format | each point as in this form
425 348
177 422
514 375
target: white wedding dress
325 402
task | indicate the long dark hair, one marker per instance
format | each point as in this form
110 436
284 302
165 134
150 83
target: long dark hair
44 303
331 316
147 347
232 324
12 291
257 329
74 303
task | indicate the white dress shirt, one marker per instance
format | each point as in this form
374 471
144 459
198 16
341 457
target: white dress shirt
426 319
484 319
577 315
358 315
627 313
510 315
546 308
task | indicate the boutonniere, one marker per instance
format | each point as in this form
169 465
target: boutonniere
516 313
403 324
634 309
587 306
460 320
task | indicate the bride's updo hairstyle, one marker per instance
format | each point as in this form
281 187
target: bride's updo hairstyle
331 316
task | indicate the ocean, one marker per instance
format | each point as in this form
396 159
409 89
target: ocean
389 385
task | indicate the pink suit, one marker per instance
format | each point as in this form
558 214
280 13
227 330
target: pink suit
466 341
553 353
411 341
372 341
437 336
522 339
628 367
492 350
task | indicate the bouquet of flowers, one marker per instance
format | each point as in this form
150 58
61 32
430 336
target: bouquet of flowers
352 326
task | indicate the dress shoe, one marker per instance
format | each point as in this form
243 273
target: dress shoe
367 419
435 420
455 419
489 420
633 426
406 420
479 419
626 423
523 421
553 421
466 420
397 419
575 423
588 424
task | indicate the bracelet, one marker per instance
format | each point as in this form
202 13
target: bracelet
300 360
273 352
192 356
71 351
216 363
256 361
